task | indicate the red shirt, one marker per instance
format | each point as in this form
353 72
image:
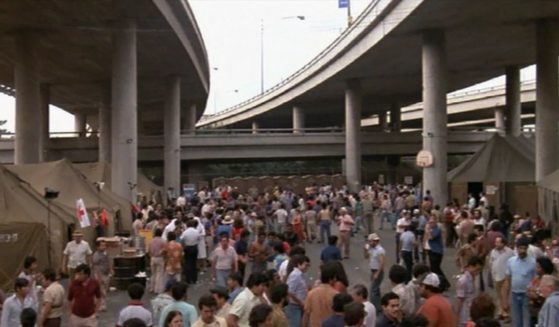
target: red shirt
437 310
83 295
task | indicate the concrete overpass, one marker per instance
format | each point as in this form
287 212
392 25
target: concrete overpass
480 108
400 52
239 146
118 65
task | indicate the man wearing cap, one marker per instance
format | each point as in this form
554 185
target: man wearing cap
376 254
77 252
436 308
520 271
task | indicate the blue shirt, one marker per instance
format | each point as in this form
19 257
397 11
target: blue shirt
330 253
334 321
296 285
234 294
189 314
12 309
550 311
436 241
521 271
241 247
407 239
223 229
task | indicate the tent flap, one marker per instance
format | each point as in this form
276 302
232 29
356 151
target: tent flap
501 159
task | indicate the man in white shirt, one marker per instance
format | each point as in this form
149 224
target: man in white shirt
190 238
401 225
281 219
170 228
224 260
498 259
360 295
76 252
246 300
376 255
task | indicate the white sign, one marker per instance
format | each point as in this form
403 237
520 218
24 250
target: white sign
8 238
381 179
81 214
408 180
491 189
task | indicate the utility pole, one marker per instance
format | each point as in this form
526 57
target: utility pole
349 18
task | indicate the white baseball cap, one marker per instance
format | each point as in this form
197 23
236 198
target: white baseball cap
431 279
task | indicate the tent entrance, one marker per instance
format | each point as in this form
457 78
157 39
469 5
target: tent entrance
475 188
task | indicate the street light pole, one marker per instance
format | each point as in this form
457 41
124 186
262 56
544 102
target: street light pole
349 18
299 17
261 56
215 92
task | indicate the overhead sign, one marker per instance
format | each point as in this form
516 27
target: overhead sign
343 3
189 190
424 159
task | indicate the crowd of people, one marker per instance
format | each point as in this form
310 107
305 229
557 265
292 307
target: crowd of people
255 248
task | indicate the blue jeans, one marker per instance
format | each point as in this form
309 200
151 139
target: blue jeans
221 276
384 216
280 228
325 229
374 295
519 310
294 314
358 224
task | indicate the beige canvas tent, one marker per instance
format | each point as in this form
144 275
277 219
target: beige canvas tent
100 171
24 226
504 164
501 159
62 176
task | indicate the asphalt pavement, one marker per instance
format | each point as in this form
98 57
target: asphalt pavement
356 268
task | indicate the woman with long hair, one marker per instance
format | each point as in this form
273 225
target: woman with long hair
173 319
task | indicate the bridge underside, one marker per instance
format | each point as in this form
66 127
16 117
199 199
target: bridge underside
479 46
218 148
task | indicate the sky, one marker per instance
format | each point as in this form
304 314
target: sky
232 33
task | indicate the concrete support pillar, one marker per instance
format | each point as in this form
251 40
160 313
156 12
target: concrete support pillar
80 123
383 121
255 127
353 104
28 102
395 118
105 129
44 113
500 120
124 112
298 120
513 105
172 137
435 115
190 120
547 98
